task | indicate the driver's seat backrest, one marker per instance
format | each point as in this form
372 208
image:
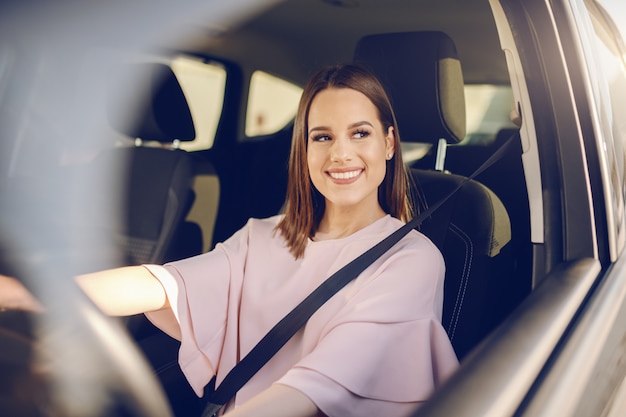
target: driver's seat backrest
422 75
155 117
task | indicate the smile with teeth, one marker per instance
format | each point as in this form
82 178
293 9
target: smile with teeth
345 175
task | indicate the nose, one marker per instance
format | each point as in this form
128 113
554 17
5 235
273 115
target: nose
340 150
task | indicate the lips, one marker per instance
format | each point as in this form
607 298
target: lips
345 176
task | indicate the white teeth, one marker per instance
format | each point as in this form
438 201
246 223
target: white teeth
344 175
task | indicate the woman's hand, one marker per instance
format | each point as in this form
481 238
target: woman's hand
15 296
277 401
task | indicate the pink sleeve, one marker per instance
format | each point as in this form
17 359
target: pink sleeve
386 349
202 291
335 400
378 366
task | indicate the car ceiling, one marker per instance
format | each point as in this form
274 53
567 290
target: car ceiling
295 37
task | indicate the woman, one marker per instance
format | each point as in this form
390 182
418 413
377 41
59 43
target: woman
377 347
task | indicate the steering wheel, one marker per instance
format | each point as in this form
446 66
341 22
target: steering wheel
73 360
54 55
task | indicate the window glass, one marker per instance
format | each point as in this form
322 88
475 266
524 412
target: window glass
272 103
617 9
203 84
488 109
608 66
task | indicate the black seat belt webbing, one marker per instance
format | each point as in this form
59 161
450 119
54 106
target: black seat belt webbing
294 320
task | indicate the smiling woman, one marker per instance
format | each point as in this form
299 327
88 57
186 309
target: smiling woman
347 152
261 273
362 99
257 277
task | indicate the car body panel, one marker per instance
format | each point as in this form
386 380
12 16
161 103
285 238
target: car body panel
588 365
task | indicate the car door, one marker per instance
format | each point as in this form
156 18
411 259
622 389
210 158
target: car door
561 353
585 375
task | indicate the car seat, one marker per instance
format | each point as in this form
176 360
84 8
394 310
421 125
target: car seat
159 175
154 117
422 75
505 178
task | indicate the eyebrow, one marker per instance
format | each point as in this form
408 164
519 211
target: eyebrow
361 123
350 126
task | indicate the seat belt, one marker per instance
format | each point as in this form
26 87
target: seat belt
289 325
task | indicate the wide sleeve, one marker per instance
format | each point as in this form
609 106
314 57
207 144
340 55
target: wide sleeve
203 292
386 351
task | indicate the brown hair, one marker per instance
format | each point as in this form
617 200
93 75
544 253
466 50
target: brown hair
305 205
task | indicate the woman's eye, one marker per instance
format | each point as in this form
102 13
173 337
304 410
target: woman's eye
320 138
360 134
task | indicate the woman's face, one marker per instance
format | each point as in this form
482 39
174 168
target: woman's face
347 149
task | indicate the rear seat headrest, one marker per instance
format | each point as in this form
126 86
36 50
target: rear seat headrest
422 75
153 106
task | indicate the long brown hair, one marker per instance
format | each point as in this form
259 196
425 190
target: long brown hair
305 205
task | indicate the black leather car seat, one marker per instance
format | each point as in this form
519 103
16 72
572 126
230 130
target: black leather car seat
422 75
505 178
159 176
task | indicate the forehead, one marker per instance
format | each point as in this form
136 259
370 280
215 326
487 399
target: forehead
341 104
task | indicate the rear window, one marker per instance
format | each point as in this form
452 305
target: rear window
203 84
272 104
488 109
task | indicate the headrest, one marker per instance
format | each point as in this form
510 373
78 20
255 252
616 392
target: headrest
153 107
422 76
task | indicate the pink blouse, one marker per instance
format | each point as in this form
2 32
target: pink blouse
376 348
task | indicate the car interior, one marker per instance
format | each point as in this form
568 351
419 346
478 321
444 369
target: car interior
483 231
443 73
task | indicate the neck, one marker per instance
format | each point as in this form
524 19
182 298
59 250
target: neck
338 223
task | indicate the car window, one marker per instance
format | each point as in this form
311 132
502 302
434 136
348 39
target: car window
488 109
203 84
609 90
272 104
617 9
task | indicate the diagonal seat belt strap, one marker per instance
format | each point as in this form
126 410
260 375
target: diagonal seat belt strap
294 320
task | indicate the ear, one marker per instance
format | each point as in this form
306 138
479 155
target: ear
390 141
